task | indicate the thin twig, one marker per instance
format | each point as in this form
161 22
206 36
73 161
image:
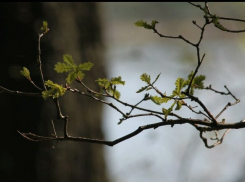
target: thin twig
35 85
39 60
20 93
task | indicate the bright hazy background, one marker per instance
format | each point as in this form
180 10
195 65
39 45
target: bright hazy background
173 154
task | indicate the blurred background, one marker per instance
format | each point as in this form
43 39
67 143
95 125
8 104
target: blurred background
105 34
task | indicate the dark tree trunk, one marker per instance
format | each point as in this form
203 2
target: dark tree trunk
75 29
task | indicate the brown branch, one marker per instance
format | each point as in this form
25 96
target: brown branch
193 122
227 105
198 6
196 99
231 94
219 141
173 37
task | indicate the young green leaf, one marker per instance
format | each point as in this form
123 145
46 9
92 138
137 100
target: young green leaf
179 104
159 100
198 81
149 88
85 66
117 81
45 28
62 67
146 78
180 82
142 89
25 72
153 23
166 112
55 91
141 23
109 85
103 82
72 76
116 94
156 78
69 66
68 60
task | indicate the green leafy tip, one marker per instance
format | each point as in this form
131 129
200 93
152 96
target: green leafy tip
166 112
45 28
197 82
55 91
69 66
25 72
146 78
159 100
110 86
143 88
179 83
141 23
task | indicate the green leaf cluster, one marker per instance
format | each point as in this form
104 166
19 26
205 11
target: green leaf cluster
110 86
55 91
25 72
45 28
197 82
141 23
177 94
75 72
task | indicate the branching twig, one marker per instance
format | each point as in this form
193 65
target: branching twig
208 124
219 141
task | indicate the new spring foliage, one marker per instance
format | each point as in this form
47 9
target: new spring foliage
75 71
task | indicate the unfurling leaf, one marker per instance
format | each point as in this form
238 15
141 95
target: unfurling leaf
180 82
45 28
166 112
159 100
103 82
146 78
179 104
142 89
25 72
153 23
117 81
197 82
141 23
55 90
117 94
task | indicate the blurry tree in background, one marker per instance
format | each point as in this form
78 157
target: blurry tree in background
75 29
